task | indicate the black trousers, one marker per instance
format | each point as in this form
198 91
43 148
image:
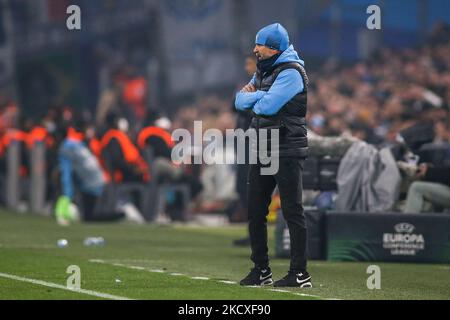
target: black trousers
260 189
241 183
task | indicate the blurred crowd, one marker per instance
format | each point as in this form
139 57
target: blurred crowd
376 99
373 101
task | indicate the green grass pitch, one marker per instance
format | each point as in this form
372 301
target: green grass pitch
142 262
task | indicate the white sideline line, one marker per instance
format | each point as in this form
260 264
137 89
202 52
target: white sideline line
227 282
58 286
203 278
137 268
35 246
309 295
153 270
199 278
280 290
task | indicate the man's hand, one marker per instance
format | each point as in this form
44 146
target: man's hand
249 88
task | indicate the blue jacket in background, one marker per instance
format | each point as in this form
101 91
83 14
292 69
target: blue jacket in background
79 166
288 84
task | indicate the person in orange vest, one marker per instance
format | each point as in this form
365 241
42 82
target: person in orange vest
121 157
156 139
40 134
18 134
80 171
95 146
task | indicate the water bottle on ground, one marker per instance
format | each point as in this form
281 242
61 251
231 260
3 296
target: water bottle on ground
94 242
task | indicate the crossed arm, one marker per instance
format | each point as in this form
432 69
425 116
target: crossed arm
287 85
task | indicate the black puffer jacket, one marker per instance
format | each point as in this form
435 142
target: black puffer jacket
290 120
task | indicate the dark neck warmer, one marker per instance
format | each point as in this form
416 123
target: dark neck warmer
265 65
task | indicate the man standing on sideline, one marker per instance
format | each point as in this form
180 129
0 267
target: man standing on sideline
243 120
277 97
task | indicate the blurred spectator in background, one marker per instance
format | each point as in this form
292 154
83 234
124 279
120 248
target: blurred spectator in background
433 188
9 113
78 166
122 159
156 144
377 98
442 133
134 96
109 101
126 95
217 181
156 139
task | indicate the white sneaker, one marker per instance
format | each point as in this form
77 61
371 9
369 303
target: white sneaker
132 214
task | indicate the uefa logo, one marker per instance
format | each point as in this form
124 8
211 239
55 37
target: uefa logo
404 227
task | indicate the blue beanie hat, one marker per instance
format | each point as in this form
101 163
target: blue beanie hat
274 36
